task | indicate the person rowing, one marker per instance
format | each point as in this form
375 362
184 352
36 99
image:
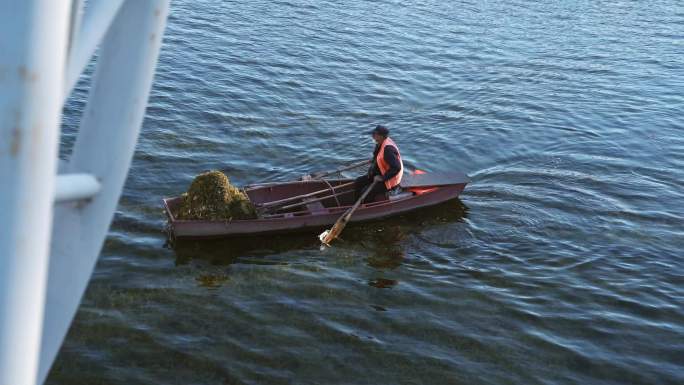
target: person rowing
386 167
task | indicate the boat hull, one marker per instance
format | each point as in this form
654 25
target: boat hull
197 229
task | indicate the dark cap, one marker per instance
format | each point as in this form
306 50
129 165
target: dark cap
380 130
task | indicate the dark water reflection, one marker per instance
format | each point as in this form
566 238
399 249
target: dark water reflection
383 240
565 268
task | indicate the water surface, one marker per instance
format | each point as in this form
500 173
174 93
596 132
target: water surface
560 264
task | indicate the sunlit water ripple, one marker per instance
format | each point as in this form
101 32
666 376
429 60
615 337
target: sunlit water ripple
561 264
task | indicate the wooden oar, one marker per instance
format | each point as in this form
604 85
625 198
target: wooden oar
311 200
319 175
308 195
329 235
312 177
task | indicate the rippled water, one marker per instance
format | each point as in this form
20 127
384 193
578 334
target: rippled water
562 263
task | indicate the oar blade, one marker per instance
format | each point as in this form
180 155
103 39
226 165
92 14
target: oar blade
323 236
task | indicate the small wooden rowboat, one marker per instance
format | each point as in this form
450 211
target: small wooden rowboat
316 204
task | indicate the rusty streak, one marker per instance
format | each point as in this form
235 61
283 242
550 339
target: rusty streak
16 141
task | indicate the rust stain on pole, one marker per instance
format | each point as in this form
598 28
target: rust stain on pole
15 141
27 75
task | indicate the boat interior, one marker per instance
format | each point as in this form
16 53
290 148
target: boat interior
306 198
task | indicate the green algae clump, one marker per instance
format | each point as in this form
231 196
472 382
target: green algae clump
212 197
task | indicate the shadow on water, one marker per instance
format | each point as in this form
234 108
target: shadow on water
240 250
382 239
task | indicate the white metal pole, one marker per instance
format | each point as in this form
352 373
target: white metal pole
88 32
75 187
75 17
104 148
33 43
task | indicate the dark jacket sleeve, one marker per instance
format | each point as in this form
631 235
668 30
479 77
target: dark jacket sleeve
374 170
391 156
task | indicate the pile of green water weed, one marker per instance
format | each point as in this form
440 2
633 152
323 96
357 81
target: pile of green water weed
212 197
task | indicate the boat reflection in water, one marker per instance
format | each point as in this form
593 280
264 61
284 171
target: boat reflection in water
383 241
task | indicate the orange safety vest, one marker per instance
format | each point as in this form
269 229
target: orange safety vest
384 167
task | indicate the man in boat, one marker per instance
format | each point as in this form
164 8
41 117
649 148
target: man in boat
386 167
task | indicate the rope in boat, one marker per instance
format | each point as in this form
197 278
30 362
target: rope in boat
332 190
